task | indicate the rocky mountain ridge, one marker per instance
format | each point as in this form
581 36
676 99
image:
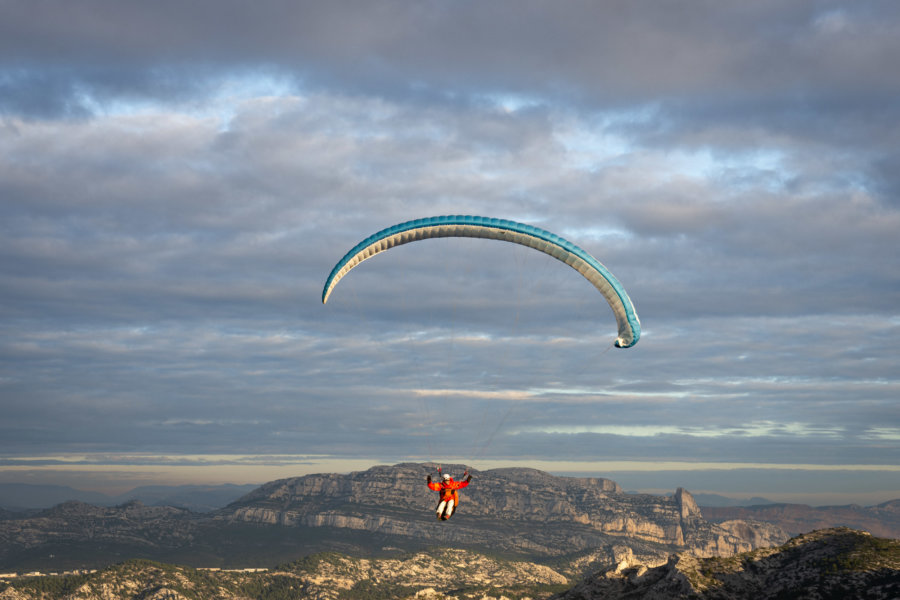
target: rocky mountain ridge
516 512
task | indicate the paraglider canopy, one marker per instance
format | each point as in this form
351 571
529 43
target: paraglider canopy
629 326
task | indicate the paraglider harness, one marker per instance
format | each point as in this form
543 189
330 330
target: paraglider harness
447 488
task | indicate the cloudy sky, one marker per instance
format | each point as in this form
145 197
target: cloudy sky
178 179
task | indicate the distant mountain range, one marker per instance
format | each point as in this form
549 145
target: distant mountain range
388 510
18 497
516 512
707 499
881 520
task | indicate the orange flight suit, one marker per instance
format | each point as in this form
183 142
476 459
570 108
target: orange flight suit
448 489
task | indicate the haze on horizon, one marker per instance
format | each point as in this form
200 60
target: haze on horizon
176 182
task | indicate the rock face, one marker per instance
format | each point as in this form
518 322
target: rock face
519 510
833 563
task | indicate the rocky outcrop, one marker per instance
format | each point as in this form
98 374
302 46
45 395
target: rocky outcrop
834 563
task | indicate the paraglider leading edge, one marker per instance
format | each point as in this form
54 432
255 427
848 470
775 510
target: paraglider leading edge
499 229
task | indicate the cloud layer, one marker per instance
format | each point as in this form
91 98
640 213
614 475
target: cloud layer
176 182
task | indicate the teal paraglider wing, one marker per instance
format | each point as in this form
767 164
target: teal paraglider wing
509 231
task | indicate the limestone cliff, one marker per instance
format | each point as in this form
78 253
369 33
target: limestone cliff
520 510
